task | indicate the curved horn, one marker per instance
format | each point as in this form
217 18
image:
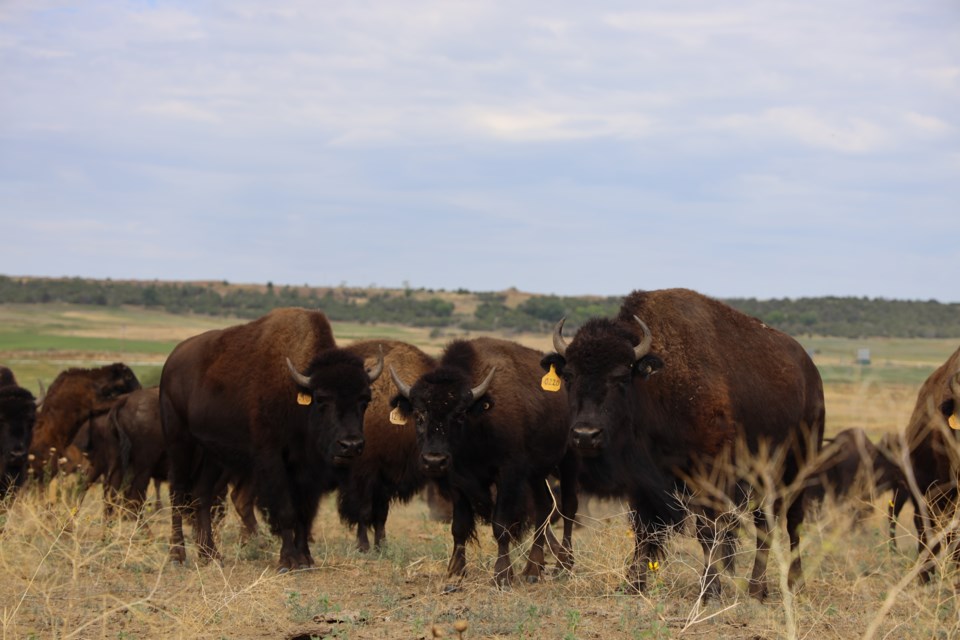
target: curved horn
955 385
643 348
402 387
481 388
298 377
559 344
374 372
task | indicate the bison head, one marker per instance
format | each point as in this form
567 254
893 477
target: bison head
441 402
601 367
17 416
336 391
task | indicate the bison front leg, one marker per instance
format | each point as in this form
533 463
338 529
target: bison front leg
543 507
647 551
462 528
276 493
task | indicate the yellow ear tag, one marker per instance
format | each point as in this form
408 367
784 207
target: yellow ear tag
654 565
304 398
551 381
892 506
954 422
397 417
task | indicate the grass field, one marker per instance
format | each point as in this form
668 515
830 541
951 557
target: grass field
68 573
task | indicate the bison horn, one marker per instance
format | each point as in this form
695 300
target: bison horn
559 344
481 388
374 372
643 348
298 377
402 387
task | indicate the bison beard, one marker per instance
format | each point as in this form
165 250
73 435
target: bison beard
671 410
230 412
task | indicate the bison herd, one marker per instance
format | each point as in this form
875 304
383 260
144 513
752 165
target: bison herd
687 409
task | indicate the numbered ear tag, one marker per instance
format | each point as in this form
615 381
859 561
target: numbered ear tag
551 381
304 398
397 417
954 421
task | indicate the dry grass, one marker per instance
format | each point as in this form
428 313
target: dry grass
69 574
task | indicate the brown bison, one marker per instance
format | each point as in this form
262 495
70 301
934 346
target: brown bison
126 448
673 409
17 417
852 468
490 436
388 468
271 405
72 398
931 437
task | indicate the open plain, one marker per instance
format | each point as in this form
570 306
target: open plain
68 573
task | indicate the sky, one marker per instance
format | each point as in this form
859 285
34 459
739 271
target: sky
754 148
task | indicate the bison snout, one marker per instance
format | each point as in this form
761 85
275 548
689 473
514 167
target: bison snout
18 453
349 447
586 437
435 463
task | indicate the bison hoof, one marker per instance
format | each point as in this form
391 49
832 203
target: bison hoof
282 570
532 579
450 588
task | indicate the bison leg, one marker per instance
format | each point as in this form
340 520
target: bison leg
647 550
543 507
794 520
242 497
758 580
569 505
712 532
463 528
507 520
381 508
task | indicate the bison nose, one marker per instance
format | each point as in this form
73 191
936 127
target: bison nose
350 447
435 463
18 453
587 437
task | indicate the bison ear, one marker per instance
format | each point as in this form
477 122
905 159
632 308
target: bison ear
402 403
947 408
483 403
554 359
647 366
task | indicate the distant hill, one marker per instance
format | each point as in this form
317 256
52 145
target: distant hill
510 310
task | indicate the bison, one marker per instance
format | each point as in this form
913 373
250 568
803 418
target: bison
387 469
17 417
668 399
932 442
490 436
851 467
126 448
271 405
72 398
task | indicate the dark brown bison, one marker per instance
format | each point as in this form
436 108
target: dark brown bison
931 437
126 448
388 468
676 408
17 417
490 436
271 405
852 468
72 398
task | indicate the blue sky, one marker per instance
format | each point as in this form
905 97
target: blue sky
761 148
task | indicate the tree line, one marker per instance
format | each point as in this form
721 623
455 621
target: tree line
849 317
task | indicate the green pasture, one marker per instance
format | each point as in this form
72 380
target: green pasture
38 341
